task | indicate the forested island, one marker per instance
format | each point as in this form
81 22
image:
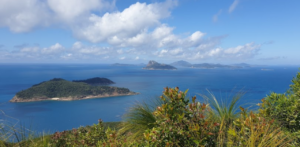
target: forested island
63 90
96 81
153 65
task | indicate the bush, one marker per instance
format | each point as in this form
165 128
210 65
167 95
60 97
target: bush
252 130
180 123
284 108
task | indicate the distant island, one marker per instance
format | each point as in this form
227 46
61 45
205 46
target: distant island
211 66
182 63
96 81
153 65
63 90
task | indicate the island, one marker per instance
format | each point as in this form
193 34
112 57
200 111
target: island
63 90
181 63
96 81
153 65
212 66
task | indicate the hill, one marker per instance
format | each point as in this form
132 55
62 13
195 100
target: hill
96 81
153 65
211 66
181 63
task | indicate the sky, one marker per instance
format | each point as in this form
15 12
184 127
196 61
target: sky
265 32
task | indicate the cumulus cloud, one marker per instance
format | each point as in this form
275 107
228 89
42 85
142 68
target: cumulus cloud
134 32
206 49
25 15
233 6
116 26
54 49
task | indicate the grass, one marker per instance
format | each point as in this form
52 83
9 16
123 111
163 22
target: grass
139 118
223 111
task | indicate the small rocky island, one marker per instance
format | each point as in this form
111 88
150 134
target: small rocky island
63 90
153 65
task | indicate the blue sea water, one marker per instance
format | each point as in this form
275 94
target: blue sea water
65 115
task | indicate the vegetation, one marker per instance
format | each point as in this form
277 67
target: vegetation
96 81
177 121
153 65
285 108
63 88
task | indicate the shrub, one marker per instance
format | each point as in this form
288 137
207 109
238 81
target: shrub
284 108
138 119
180 123
252 130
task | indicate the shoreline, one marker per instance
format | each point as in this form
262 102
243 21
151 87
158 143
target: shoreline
15 99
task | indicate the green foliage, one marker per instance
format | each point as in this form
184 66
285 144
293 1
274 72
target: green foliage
284 108
95 135
223 111
83 136
252 130
63 88
180 123
138 119
96 81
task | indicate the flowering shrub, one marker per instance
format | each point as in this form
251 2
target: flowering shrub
180 123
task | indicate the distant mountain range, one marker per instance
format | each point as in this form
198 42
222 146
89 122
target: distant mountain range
153 65
182 63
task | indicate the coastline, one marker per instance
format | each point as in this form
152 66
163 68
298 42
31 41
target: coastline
16 99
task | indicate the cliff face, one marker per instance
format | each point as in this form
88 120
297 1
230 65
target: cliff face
153 65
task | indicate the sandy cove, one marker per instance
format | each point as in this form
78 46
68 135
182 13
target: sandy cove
15 99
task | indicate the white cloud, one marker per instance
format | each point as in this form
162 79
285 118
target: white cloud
30 50
54 49
79 52
116 26
233 6
135 32
68 10
216 16
24 15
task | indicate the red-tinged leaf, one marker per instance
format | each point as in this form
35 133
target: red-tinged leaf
210 133
216 124
201 116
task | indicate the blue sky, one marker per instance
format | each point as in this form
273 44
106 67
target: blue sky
103 31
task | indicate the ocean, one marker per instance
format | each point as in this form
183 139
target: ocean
64 115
